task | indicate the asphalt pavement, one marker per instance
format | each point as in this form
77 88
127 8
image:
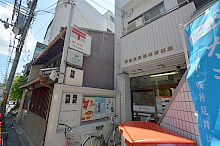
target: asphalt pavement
12 133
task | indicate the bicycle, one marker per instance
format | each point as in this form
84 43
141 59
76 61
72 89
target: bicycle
71 138
93 140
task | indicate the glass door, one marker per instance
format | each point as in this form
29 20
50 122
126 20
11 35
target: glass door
144 106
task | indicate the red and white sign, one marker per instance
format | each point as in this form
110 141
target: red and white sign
80 41
143 108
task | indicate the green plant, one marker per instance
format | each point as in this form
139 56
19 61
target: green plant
16 92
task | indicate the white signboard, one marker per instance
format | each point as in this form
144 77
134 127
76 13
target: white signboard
146 109
80 41
74 57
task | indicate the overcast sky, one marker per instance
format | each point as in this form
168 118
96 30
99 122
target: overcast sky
36 32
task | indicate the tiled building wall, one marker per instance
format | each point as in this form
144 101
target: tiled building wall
180 115
143 46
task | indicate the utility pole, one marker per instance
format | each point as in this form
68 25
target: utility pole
17 56
66 43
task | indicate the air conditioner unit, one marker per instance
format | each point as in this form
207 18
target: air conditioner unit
73 76
138 22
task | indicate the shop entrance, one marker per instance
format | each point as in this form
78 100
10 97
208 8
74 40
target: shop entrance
151 95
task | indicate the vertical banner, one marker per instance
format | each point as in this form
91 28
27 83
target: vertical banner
204 75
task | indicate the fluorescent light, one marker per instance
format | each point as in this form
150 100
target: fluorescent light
171 73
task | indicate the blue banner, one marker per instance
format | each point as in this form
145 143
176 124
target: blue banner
204 74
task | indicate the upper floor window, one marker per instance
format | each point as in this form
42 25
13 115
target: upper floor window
108 30
154 12
112 19
200 3
180 1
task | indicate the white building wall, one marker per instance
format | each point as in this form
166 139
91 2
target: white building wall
122 82
55 134
159 34
84 15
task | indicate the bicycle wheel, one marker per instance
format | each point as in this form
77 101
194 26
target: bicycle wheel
115 139
92 141
73 138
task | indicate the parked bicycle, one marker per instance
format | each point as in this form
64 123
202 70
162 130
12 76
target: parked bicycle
71 137
93 140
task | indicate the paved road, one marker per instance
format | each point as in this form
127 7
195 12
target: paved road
15 136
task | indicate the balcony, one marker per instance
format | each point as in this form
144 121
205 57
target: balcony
156 42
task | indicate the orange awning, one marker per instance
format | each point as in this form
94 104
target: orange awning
138 133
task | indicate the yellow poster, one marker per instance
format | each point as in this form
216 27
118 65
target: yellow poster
88 109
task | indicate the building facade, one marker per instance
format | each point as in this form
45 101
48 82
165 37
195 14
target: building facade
85 98
149 53
84 15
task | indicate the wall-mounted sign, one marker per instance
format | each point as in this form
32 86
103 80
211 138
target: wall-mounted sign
80 41
159 78
145 109
39 49
74 57
94 108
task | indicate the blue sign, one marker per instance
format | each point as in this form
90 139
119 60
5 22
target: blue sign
204 75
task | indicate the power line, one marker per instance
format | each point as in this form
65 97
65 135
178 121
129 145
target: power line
103 7
51 11
84 18
41 28
47 7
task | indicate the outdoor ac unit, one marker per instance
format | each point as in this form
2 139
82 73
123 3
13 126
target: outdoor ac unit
138 22
73 76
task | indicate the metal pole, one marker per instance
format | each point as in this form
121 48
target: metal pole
17 56
182 29
66 45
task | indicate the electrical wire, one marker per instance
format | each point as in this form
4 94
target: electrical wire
51 11
47 7
84 17
42 28
103 7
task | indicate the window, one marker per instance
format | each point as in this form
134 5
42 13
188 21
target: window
112 19
154 12
67 98
180 1
108 30
74 99
200 3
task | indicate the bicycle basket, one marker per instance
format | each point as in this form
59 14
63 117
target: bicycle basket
73 137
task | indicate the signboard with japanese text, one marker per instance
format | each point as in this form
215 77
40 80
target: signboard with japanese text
39 49
88 109
143 108
110 107
94 108
74 57
80 41
204 74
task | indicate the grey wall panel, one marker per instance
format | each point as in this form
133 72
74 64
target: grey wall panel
99 66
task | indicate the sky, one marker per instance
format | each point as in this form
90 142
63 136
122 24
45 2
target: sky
36 32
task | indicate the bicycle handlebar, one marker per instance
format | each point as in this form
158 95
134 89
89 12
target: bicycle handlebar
62 124
110 117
